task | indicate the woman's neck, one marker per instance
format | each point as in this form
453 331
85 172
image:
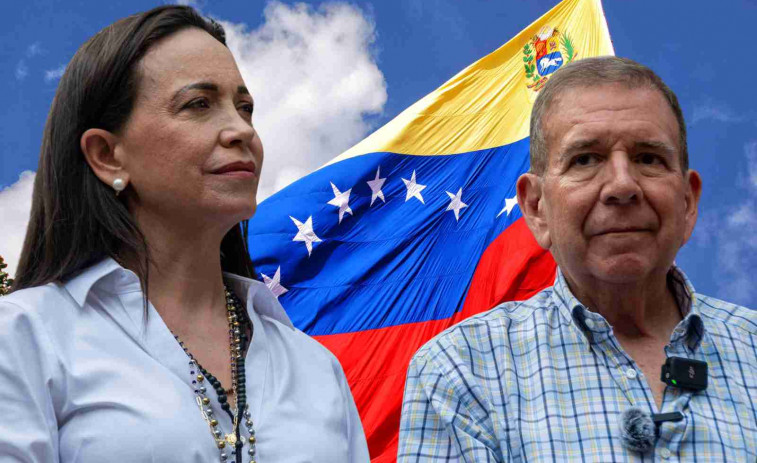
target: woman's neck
185 281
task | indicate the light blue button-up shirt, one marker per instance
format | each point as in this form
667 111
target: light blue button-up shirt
547 380
84 379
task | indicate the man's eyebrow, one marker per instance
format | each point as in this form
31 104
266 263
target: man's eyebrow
196 86
579 145
242 90
655 146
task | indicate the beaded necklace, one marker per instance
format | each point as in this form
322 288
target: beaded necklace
238 343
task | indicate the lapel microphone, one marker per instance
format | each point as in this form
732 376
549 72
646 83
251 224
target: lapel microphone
639 429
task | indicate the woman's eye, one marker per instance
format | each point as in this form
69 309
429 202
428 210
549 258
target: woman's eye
246 107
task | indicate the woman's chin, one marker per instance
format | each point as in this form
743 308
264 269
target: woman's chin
234 213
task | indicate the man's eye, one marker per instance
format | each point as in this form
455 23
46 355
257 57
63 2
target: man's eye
649 159
197 103
584 159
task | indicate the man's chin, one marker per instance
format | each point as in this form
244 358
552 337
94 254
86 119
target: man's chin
623 270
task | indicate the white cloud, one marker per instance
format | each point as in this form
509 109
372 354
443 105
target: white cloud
714 111
33 49
736 240
314 79
55 74
22 70
15 204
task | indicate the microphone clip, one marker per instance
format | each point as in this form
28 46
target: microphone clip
684 373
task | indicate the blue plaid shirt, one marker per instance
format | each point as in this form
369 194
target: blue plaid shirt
546 380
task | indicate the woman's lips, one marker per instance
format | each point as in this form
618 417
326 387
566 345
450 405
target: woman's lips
240 169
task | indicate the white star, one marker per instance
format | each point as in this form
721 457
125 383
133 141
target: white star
305 233
342 201
414 189
274 284
510 203
456 203
376 184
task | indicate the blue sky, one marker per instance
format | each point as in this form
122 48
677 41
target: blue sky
402 50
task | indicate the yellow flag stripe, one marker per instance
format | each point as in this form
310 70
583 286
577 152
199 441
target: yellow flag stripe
487 104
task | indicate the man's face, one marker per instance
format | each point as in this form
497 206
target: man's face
613 204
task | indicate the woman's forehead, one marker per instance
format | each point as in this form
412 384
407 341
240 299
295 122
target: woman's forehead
188 56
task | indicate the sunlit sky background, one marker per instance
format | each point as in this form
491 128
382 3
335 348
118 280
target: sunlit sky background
403 49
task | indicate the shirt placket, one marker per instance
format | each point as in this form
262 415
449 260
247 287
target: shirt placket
633 385
670 433
621 367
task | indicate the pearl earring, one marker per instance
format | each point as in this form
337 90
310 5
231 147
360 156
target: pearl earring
119 185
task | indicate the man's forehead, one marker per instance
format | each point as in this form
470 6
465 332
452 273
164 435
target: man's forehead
589 116
571 97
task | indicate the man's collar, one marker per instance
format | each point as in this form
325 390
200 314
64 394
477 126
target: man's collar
690 329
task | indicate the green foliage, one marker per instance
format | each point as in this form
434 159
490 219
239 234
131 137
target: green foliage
567 45
5 281
528 59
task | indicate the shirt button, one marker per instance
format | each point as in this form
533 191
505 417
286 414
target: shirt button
589 323
665 453
631 374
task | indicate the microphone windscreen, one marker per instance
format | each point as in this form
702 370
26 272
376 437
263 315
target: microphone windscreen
637 430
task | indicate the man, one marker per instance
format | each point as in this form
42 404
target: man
574 373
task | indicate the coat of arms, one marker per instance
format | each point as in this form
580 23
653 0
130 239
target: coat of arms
546 53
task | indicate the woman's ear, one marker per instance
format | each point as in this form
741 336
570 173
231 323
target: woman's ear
530 195
99 148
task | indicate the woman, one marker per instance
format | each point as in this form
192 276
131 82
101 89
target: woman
123 340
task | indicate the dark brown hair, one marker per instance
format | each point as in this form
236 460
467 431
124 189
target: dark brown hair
76 220
590 73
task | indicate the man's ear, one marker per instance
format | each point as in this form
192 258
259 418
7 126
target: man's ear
693 192
99 148
530 196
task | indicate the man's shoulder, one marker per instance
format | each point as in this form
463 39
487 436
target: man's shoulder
492 326
726 313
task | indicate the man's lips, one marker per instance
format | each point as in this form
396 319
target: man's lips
236 167
618 230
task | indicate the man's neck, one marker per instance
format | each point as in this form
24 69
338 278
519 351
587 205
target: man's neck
643 309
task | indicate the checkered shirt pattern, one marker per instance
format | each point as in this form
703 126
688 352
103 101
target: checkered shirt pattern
546 380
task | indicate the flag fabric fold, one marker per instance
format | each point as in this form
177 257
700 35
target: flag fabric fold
417 226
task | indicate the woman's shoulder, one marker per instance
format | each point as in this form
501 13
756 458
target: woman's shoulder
38 302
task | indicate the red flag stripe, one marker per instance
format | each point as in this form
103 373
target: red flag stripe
513 267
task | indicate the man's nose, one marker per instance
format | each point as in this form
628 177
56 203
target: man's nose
621 183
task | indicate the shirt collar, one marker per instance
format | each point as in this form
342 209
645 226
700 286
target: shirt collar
690 330
255 293
259 297
80 285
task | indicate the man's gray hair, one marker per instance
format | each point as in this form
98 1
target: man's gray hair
589 73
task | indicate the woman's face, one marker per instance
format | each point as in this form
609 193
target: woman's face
191 153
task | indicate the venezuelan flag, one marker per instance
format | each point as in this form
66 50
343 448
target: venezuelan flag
417 227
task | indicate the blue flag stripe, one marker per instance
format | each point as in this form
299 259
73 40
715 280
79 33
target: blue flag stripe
398 260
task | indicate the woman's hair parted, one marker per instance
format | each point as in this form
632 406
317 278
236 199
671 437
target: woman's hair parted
76 220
